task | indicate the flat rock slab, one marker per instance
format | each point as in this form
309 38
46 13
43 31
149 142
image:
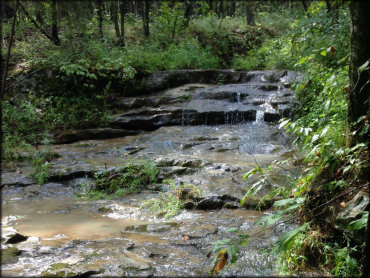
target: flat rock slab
92 133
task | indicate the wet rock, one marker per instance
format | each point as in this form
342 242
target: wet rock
93 133
16 238
10 255
169 172
63 172
14 179
272 116
218 202
352 211
274 76
160 228
190 205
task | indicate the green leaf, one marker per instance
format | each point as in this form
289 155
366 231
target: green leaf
359 223
283 123
364 66
289 201
244 238
323 53
233 250
289 236
269 219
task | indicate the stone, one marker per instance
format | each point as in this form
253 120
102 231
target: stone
14 179
92 133
16 238
352 211
217 202
10 255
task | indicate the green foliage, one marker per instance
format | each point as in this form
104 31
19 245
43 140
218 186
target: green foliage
168 204
359 223
41 169
133 177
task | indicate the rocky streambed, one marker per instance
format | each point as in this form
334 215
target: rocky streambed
204 134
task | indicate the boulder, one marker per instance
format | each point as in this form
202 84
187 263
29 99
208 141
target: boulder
218 202
352 211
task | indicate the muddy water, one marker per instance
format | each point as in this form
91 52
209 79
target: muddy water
70 236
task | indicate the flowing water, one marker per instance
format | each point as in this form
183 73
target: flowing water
70 236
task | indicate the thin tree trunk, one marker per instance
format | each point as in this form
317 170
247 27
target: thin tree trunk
210 3
146 18
114 17
250 14
122 9
54 24
304 4
5 71
139 7
100 19
232 8
35 23
188 12
221 9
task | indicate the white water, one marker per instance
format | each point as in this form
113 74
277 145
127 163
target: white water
259 116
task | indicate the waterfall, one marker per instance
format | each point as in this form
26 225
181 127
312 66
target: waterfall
259 116
238 97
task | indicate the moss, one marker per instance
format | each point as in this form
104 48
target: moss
10 255
83 145
184 98
193 88
57 266
54 270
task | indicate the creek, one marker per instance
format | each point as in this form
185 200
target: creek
197 132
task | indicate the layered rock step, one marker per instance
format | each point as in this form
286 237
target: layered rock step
263 96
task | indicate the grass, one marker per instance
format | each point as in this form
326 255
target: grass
169 204
133 177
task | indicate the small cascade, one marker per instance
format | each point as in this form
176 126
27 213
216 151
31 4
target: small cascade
238 97
259 116
234 117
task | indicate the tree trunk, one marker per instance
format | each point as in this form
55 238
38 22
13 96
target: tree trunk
232 8
122 10
5 68
304 4
210 3
188 12
114 17
221 9
359 89
139 7
35 23
100 18
130 6
146 18
54 22
250 14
